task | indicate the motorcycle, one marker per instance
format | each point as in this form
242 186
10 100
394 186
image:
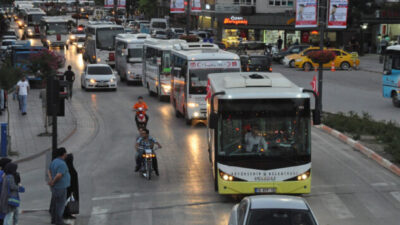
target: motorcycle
141 118
146 168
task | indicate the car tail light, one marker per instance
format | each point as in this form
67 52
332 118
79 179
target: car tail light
58 37
37 29
111 56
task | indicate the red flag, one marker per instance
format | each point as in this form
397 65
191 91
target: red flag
208 90
313 84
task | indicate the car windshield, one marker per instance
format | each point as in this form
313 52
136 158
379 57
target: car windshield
159 25
264 128
57 28
99 70
259 60
280 217
135 53
105 38
199 77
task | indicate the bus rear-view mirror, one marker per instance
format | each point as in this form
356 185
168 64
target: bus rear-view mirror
212 121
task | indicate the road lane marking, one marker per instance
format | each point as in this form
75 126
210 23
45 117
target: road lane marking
112 197
98 216
335 205
396 195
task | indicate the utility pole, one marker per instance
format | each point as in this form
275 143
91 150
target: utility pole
77 12
322 22
115 10
187 3
54 109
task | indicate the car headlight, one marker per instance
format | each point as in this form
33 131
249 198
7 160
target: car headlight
30 30
112 79
303 176
192 104
196 114
48 42
92 81
166 87
72 37
80 46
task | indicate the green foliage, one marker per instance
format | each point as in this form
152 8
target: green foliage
387 133
9 76
47 62
148 7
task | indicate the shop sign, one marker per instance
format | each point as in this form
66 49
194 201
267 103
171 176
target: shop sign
306 13
338 14
196 6
177 6
236 20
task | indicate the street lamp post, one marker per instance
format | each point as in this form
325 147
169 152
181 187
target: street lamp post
187 4
322 10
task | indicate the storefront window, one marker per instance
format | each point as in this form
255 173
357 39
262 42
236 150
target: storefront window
281 2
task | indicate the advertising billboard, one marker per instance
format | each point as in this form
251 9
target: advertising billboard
306 13
108 3
177 6
337 17
196 6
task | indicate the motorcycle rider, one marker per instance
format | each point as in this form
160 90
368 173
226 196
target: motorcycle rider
141 107
142 143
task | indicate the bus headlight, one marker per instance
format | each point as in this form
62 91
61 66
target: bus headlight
226 176
303 176
72 37
192 104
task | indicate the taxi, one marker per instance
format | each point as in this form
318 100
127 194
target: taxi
290 60
231 41
343 60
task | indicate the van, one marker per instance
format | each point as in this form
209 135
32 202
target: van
158 24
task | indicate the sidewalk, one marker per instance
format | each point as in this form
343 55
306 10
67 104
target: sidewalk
24 130
370 63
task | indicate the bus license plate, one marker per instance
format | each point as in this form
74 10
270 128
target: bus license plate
265 190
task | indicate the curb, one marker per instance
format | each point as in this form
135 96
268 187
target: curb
358 146
33 156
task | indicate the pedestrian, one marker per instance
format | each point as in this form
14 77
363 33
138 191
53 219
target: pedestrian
2 101
59 181
70 78
9 198
3 164
279 43
72 190
22 90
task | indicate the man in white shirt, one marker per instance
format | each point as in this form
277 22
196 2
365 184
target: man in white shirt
22 90
255 142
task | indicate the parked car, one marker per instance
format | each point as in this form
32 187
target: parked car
255 63
294 49
290 60
272 209
98 76
343 60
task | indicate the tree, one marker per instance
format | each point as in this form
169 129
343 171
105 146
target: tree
8 79
148 7
45 63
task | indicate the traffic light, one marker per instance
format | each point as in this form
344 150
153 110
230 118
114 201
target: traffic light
57 92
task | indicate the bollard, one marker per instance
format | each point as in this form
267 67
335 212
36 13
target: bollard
3 150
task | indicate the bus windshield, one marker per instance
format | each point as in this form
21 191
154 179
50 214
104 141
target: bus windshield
199 77
57 28
392 62
105 38
135 53
161 25
34 19
264 128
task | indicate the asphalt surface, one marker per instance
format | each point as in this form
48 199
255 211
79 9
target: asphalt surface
347 188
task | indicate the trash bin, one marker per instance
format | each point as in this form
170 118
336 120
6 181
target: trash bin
3 150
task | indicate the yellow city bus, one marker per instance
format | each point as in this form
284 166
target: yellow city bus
259 134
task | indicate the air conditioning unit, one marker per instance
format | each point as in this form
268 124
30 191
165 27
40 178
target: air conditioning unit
247 10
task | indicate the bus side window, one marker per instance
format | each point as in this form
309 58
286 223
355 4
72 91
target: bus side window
183 71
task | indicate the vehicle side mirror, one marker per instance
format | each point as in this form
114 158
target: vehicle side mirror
387 72
213 120
316 115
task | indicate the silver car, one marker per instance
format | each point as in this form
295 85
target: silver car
98 76
273 210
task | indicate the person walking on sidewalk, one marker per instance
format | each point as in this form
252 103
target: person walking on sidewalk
22 90
3 164
70 78
72 190
59 181
9 198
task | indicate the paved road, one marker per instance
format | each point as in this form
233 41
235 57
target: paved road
345 91
347 188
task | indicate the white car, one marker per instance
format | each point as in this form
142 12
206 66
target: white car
5 43
272 209
9 37
98 76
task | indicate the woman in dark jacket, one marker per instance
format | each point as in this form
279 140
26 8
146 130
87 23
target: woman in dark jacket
74 187
10 182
